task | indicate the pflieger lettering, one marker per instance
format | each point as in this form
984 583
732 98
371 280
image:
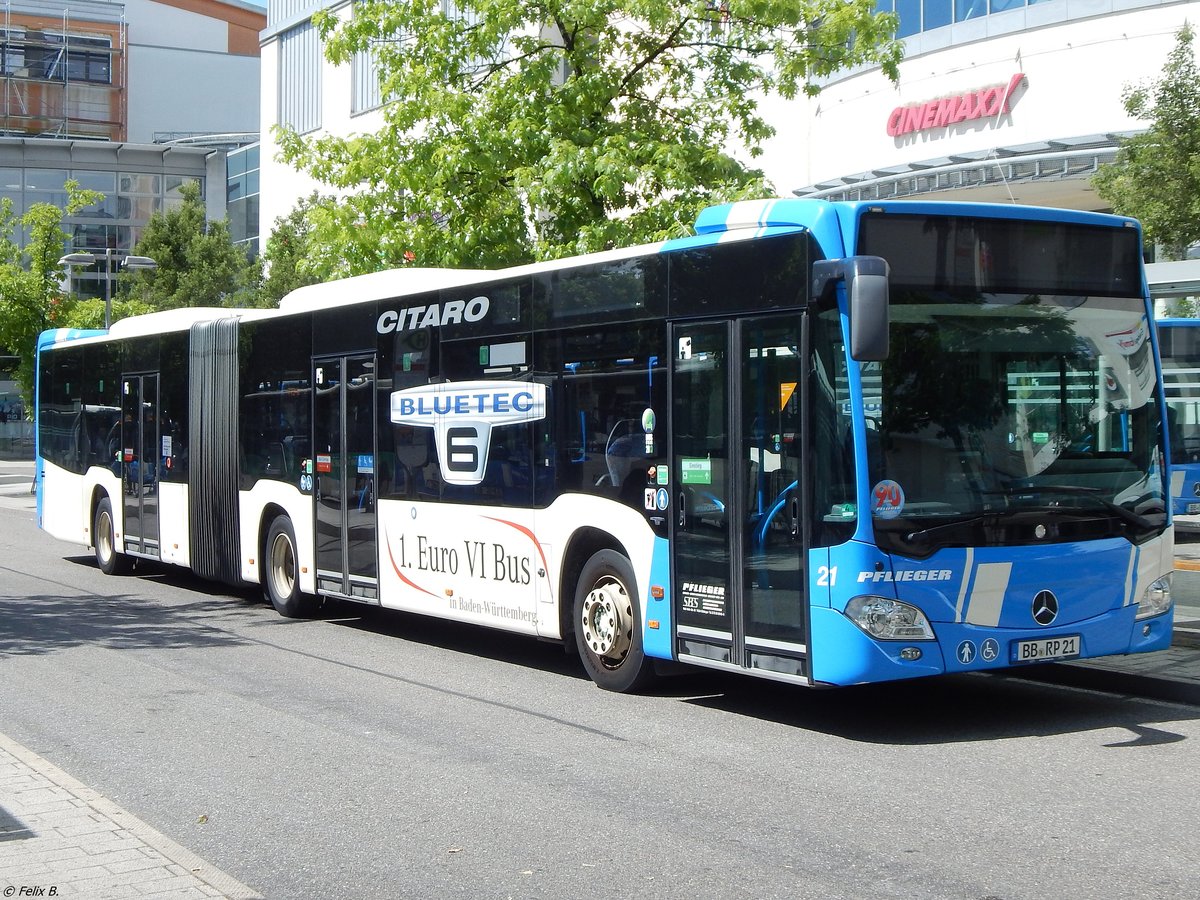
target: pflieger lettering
889 577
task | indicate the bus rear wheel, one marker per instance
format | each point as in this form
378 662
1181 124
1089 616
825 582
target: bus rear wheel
281 582
608 631
104 539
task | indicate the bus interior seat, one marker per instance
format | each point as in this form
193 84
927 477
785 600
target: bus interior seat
620 451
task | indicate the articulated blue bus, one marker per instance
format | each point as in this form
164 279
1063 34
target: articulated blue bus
821 443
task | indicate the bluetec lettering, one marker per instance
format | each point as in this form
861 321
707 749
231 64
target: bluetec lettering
463 404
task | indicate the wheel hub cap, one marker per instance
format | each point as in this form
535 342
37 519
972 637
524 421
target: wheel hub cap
607 620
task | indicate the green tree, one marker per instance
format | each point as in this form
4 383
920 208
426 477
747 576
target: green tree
31 295
1156 175
289 258
524 129
198 263
89 313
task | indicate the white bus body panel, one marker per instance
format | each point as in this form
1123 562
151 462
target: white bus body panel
174 526
65 509
299 508
495 566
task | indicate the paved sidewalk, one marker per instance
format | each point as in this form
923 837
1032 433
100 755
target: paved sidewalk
59 838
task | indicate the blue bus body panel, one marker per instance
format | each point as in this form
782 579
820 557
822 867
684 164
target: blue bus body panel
823 219
657 642
835 224
980 603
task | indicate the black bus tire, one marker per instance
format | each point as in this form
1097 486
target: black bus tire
104 538
281 580
607 624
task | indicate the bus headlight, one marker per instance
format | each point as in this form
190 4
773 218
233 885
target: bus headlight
889 620
1156 600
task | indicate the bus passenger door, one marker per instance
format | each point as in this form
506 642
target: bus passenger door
740 596
344 486
140 459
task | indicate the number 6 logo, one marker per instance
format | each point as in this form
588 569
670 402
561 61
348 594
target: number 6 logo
462 415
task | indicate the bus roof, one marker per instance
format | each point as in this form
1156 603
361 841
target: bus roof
180 319
406 282
738 221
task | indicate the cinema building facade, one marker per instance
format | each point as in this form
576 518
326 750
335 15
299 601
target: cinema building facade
1004 101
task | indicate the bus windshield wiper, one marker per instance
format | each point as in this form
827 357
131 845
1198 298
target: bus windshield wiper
1128 516
922 534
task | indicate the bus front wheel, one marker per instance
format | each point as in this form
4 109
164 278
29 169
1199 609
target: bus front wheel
608 632
281 583
104 538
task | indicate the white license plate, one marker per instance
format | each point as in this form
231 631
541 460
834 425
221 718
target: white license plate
1046 649
1193 509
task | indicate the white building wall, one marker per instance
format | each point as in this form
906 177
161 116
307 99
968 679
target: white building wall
182 91
283 185
158 25
1075 73
181 76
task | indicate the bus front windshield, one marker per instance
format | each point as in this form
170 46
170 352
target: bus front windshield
1004 418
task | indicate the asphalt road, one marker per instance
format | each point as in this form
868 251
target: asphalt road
389 756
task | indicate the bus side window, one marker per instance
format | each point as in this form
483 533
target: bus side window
604 381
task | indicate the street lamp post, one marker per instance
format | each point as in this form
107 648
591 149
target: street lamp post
127 262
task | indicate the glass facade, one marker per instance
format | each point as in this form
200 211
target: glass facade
925 15
116 221
241 197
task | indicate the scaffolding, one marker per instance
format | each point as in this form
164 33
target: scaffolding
63 68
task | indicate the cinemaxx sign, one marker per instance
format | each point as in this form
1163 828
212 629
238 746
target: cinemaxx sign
985 103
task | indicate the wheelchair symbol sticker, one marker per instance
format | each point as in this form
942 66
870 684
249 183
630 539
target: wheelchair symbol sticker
989 650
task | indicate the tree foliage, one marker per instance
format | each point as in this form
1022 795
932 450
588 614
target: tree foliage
289 258
523 129
31 295
89 313
198 263
1156 175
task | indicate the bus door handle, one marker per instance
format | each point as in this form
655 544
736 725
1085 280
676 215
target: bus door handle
794 514
682 509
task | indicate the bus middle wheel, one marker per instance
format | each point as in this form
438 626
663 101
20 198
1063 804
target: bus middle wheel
608 632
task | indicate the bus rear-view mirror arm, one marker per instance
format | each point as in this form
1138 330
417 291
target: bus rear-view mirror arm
866 279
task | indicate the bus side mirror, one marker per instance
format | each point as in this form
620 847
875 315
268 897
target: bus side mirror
866 279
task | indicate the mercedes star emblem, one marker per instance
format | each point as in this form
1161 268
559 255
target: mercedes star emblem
1045 608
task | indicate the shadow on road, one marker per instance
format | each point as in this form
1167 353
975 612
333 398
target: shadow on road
47 623
44 623
949 709
938 710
